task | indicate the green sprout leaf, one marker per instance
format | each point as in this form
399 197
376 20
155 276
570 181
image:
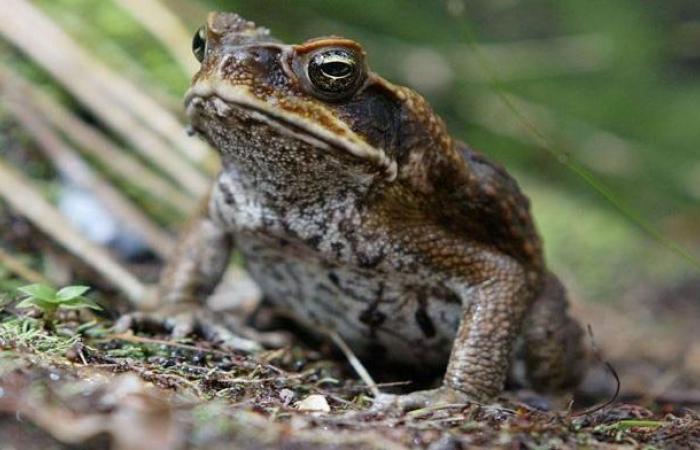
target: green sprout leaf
48 300
71 292
39 291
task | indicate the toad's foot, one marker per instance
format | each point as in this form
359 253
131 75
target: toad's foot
442 397
213 327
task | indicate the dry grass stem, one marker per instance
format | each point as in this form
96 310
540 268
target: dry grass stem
68 162
167 27
152 130
96 144
354 362
24 198
20 269
599 149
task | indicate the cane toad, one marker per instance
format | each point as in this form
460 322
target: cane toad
356 211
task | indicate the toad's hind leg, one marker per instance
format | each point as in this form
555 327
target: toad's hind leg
553 350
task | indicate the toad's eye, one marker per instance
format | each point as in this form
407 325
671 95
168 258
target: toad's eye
334 73
199 43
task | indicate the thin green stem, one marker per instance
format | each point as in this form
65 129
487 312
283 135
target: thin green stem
564 158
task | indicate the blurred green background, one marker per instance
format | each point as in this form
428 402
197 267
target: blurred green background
615 85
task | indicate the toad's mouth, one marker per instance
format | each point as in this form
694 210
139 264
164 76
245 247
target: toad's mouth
226 98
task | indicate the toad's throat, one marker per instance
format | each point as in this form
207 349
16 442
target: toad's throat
227 97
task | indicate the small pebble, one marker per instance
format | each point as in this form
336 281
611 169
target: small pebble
298 364
286 395
314 403
225 364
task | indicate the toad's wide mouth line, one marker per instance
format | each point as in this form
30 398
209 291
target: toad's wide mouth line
230 97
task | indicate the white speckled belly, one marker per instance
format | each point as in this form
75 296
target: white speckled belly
400 316
389 316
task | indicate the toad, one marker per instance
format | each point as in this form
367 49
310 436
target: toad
356 211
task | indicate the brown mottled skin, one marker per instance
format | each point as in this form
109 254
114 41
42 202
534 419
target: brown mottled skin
356 210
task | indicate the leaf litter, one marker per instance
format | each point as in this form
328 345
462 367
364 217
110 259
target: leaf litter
80 384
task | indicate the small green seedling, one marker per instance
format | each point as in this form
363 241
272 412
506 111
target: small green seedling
48 300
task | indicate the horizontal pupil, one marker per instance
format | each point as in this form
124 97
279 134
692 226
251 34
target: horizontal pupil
336 69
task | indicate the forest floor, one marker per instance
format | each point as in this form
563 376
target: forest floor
78 385
81 386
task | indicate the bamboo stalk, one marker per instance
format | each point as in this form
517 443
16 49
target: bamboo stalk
96 144
120 60
160 21
24 198
73 168
117 102
193 13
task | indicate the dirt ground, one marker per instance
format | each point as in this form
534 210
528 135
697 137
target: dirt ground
81 386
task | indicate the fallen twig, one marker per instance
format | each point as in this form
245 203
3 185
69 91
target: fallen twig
418 413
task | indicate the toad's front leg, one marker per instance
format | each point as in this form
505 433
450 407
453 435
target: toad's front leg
491 318
191 275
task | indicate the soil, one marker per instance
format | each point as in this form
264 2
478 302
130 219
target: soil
81 386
